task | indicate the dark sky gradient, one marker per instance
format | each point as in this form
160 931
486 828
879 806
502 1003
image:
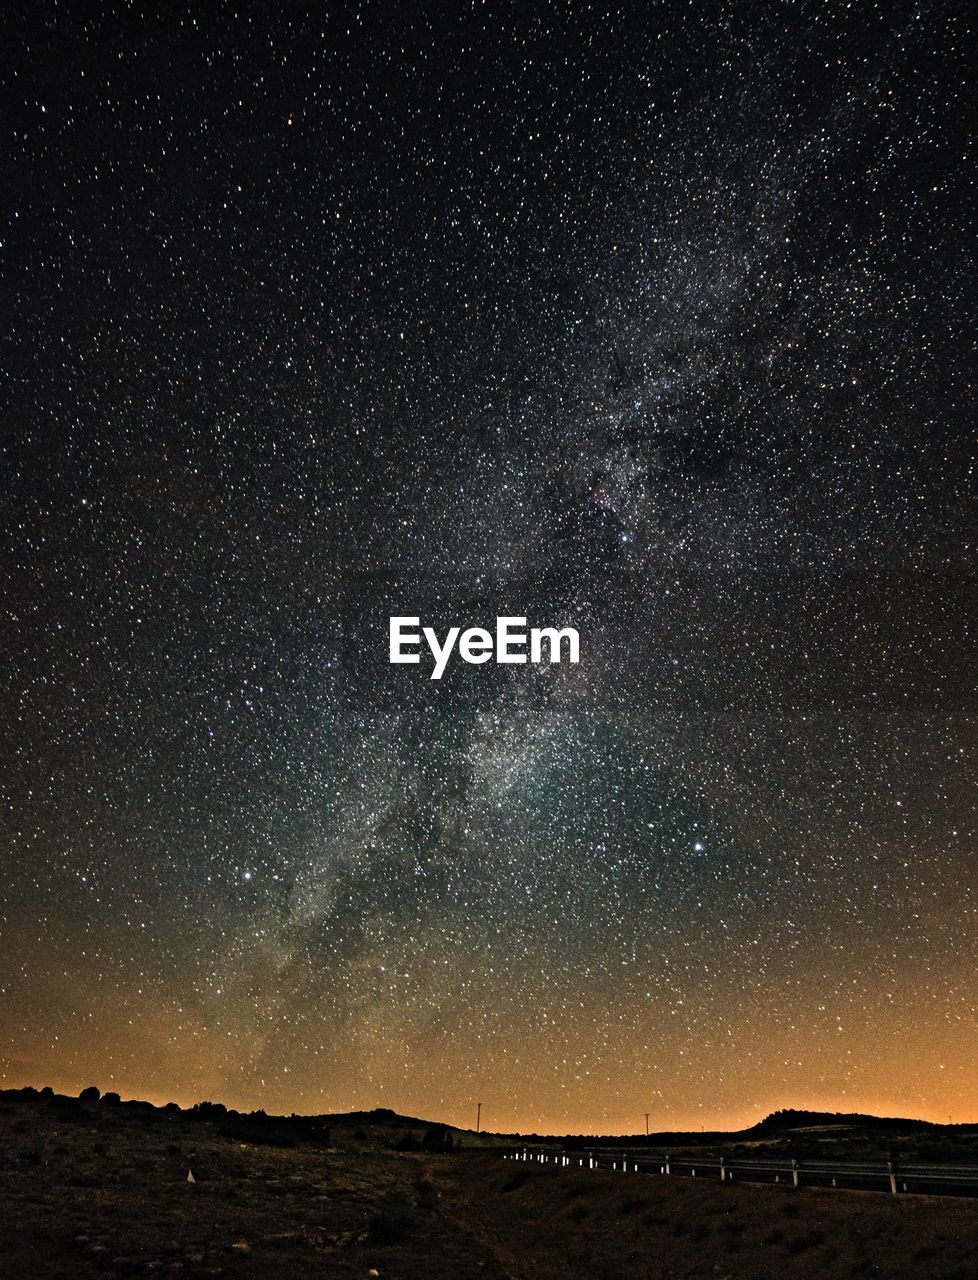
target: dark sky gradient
651 320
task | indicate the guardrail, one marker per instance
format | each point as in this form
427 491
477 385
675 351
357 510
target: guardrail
922 1179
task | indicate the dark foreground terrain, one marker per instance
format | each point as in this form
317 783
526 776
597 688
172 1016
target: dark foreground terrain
90 1190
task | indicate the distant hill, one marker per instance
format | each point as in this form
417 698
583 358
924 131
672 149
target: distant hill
779 1125
385 1125
381 1126
779 1121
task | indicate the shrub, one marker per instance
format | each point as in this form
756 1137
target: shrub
654 1219
801 1244
209 1110
426 1190
630 1206
393 1220
259 1130
437 1138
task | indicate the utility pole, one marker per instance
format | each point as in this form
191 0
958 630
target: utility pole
646 1125
478 1117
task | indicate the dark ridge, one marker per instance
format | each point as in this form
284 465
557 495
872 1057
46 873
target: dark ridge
415 1133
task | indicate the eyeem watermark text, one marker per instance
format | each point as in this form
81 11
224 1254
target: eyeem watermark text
510 644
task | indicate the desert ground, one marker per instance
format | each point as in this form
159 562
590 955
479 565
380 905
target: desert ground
96 1191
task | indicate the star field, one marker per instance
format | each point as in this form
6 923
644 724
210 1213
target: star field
646 319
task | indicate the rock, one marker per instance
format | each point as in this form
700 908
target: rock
242 1246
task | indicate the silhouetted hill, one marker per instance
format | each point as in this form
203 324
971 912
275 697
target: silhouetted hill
779 1121
381 1126
786 1130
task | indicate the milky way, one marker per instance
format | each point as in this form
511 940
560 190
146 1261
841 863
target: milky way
649 320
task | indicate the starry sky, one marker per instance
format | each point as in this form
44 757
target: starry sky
650 319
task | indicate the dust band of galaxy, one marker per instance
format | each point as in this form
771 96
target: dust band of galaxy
510 643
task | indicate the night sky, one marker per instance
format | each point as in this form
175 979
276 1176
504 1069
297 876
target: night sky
649 319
